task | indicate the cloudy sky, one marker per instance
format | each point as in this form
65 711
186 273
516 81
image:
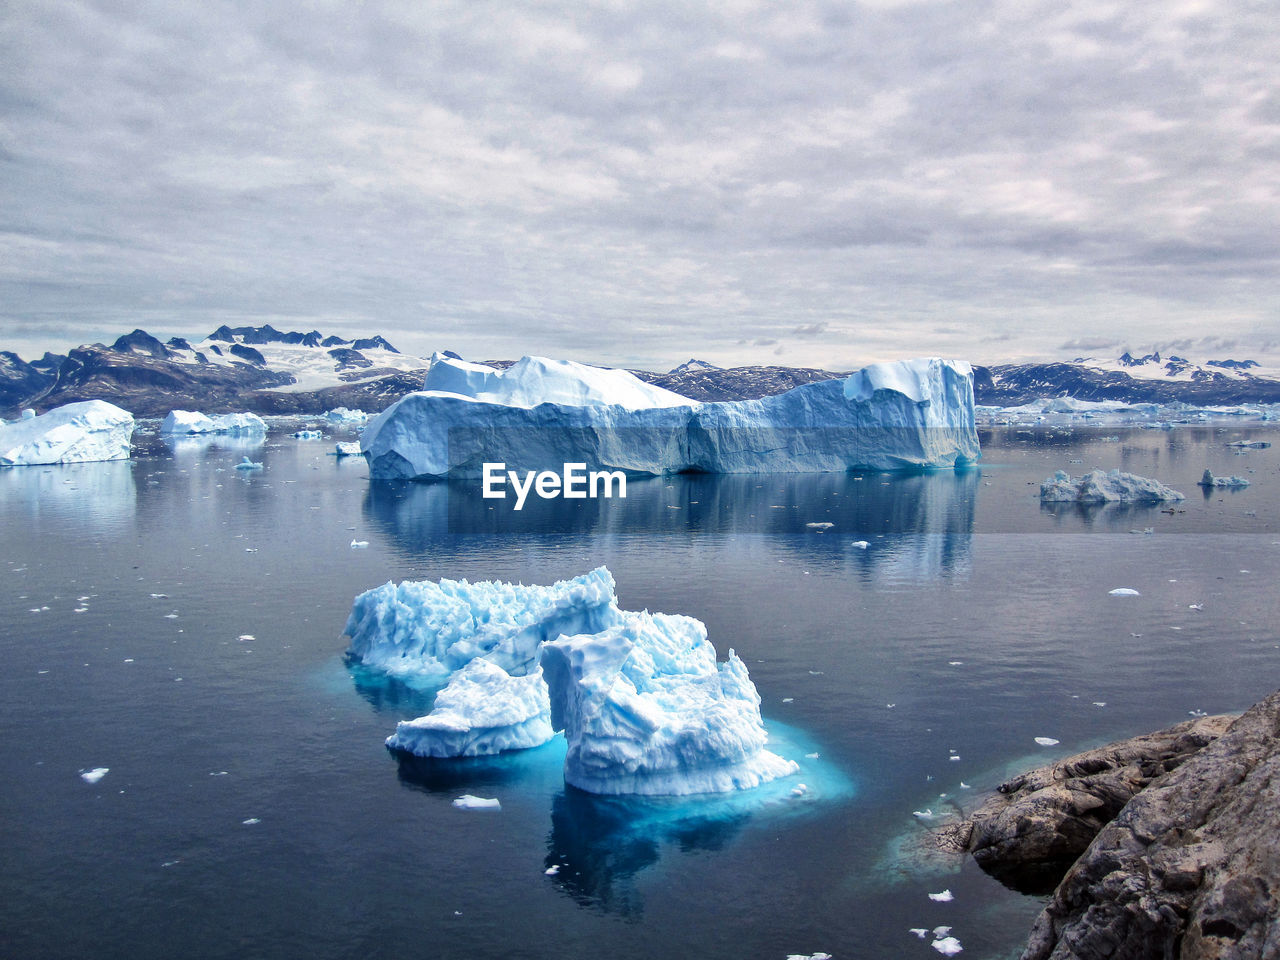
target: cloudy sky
811 183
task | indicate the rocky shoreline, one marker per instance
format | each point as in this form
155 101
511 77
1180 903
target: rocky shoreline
1162 847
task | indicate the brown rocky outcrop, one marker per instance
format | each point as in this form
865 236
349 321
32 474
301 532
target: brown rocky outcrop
1189 869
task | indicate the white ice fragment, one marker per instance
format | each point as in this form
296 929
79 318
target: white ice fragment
1195 606
946 896
954 756
947 946
1196 713
788 699
926 814
860 544
955 663
812 756
920 932
1046 741
247 464
94 775
819 526
245 637
357 544
1124 592
1099 703
468 802
251 821
808 956
1098 486
799 790
964 786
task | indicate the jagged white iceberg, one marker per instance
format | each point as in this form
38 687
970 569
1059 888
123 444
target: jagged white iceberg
540 414
644 705
346 448
483 711
1209 480
427 630
345 415
193 423
73 433
1098 486
646 709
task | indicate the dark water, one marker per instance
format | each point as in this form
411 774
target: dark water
982 617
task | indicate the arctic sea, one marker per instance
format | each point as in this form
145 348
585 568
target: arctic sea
179 623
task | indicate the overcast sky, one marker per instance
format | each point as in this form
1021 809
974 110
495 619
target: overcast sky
816 183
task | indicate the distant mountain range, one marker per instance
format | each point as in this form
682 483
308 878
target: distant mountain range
264 370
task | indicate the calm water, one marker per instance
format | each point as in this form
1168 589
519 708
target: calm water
973 622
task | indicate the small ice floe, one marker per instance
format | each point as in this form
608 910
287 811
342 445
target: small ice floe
941 931
926 814
955 663
159 596
1046 741
920 932
247 464
251 821
788 699
947 946
965 786
1123 592
1099 703
808 956
94 775
468 802
358 544
799 790
860 544
171 616
245 637
552 870
1195 606
954 756
812 756
1144 530
1209 480
1196 713
890 705
946 896
819 526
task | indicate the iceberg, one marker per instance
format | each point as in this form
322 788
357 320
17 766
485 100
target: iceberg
1098 486
1209 480
346 448
345 415
483 711
81 432
541 414
191 423
646 709
426 631
643 704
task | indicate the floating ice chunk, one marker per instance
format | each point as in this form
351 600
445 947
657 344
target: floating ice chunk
468 802
947 946
74 433
251 821
94 775
926 814
359 544
344 415
1100 487
860 544
1196 713
483 711
646 709
1256 444
1209 480
189 423
941 931
245 637
808 956
347 448
552 870
306 434
540 414
819 526
1195 606
799 790
430 629
247 464
812 756
920 932
1047 741
964 786
946 896
1123 592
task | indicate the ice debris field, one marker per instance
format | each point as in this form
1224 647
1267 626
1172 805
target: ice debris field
542 413
643 704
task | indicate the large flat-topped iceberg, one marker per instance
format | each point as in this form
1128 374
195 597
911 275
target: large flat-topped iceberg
646 709
193 423
892 416
74 433
644 705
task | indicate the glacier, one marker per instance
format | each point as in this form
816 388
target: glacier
1098 486
643 704
86 431
541 413
192 423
